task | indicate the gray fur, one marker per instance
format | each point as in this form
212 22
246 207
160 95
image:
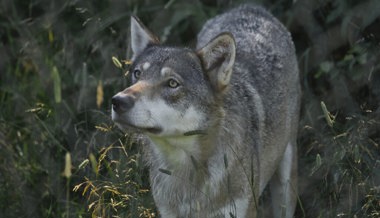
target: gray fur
230 138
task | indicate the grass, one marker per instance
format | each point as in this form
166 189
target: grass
57 78
125 191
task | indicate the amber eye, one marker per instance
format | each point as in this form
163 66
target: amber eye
137 74
173 83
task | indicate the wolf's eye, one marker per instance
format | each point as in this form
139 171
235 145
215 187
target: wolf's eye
173 83
137 74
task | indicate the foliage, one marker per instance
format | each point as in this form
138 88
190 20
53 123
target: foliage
61 155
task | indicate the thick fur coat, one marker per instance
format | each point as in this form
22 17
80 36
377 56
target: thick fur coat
220 122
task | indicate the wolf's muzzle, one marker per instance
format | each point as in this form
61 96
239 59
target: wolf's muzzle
122 103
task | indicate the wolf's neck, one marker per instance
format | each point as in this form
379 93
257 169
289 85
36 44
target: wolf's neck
176 151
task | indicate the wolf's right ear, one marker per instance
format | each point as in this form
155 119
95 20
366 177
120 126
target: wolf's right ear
218 58
141 37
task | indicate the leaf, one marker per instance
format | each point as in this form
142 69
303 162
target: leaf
51 36
363 59
326 66
113 190
68 166
83 164
330 119
168 4
103 129
91 205
99 94
127 62
76 188
57 84
318 161
317 165
86 188
116 62
94 163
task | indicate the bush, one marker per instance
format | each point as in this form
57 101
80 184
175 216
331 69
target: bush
57 78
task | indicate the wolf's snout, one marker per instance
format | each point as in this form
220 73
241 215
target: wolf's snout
121 104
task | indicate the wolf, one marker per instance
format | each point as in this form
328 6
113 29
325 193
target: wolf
220 120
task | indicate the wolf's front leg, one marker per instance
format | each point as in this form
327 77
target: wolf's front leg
166 211
283 185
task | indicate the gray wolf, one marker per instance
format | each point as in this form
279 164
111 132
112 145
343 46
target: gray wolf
220 121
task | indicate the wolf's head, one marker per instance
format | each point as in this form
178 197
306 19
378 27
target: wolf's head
173 90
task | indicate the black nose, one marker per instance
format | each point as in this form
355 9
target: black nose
121 104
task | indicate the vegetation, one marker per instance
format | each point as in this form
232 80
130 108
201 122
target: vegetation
61 155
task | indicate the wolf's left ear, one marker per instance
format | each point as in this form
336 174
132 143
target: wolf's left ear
218 58
141 37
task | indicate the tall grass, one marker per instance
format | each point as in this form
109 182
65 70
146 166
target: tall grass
57 78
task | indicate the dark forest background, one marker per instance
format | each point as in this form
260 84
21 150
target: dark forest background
61 155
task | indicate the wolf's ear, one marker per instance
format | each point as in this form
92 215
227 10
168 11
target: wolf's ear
218 58
141 37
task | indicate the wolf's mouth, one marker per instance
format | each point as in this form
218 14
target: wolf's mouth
152 130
